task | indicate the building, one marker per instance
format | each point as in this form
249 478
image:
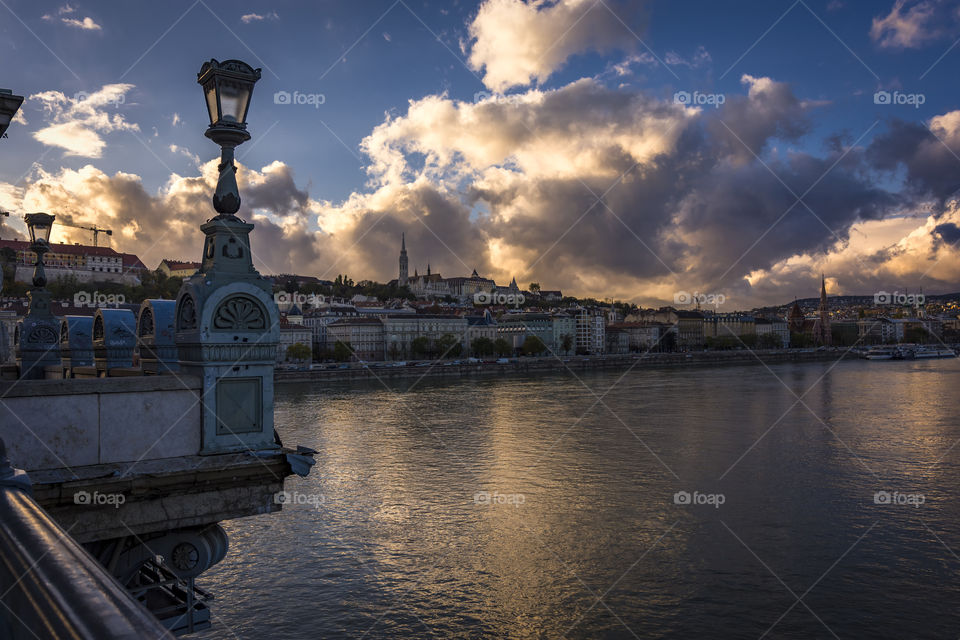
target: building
775 327
468 287
728 325
177 268
319 318
643 336
591 332
290 334
687 326
617 340
483 326
82 262
515 327
879 330
363 335
431 285
564 325
400 330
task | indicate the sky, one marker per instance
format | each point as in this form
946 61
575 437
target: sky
621 149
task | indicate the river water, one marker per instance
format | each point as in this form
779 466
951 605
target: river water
548 507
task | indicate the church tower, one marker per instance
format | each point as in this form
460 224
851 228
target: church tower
402 281
823 329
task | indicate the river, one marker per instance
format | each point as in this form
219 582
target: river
799 500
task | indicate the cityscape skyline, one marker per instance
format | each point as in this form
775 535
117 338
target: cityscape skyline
624 158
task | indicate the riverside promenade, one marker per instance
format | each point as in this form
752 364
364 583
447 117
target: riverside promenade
524 365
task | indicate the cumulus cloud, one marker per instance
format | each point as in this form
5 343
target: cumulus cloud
911 24
516 42
86 23
165 224
76 123
258 17
593 190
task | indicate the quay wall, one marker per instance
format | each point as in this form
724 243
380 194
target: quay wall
576 364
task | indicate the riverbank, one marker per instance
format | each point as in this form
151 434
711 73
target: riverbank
382 370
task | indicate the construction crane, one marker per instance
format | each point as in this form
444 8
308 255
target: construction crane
96 230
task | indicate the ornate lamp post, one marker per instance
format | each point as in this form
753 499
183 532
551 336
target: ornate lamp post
37 338
226 321
227 87
9 104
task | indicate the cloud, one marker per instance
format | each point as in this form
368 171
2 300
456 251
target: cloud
76 123
257 17
517 42
86 24
701 57
593 190
909 24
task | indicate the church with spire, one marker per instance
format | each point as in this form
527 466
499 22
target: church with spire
817 328
433 285
404 263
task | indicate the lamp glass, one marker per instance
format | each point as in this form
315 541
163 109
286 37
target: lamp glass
39 225
234 97
211 92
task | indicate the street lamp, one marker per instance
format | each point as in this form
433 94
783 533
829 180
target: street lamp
227 87
39 225
9 104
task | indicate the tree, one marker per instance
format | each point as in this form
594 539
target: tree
566 341
768 341
299 352
420 347
482 346
502 347
448 346
534 287
394 351
532 346
342 351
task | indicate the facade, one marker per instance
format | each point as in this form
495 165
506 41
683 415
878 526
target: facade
319 318
775 327
178 268
591 332
290 334
728 325
481 327
642 336
879 330
687 326
83 262
564 324
515 327
467 287
400 330
364 335
431 285
618 340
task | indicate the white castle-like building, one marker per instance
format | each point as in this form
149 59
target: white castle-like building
433 285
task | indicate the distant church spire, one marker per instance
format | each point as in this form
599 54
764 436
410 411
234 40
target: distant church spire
404 265
824 334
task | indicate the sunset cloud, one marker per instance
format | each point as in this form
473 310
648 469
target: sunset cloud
76 123
517 42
